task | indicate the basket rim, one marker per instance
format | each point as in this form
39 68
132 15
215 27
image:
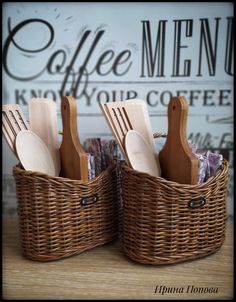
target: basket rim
154 179
18 169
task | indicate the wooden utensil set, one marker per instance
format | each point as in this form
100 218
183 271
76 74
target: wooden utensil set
36 143
130 124
37 147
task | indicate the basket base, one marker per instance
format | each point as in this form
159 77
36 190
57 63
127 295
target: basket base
169 259
61 255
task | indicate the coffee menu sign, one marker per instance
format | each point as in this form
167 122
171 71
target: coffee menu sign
105 52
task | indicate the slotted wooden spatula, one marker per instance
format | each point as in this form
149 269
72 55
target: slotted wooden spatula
13 121
118 121
178 163
73 157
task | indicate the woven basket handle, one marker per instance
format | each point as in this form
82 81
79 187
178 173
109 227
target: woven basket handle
159 134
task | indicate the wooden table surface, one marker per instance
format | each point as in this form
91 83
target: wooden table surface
106 273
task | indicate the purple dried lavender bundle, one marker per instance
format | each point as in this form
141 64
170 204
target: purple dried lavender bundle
209 162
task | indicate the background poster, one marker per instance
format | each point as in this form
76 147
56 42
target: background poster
101 52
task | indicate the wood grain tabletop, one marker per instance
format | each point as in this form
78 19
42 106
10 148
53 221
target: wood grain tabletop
106 273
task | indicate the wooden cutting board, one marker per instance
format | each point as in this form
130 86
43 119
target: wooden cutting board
74 162
178 163
43 122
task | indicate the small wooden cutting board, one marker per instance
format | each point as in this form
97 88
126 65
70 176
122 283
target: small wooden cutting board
178 162
74 163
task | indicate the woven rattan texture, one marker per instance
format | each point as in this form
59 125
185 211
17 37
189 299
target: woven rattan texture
159 227
53 221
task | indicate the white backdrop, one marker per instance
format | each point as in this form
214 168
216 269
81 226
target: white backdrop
114 51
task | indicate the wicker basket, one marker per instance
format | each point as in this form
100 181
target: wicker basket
59 217
167 222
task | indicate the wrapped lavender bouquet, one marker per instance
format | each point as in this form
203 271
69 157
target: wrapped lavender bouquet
209 162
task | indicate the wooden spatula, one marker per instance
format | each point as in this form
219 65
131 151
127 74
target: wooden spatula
118 121
137 112
141 156
13 121
73 157
43 122
178 163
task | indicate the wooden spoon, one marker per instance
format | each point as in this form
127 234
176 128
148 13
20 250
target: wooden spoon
33 153
178 163
141 156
